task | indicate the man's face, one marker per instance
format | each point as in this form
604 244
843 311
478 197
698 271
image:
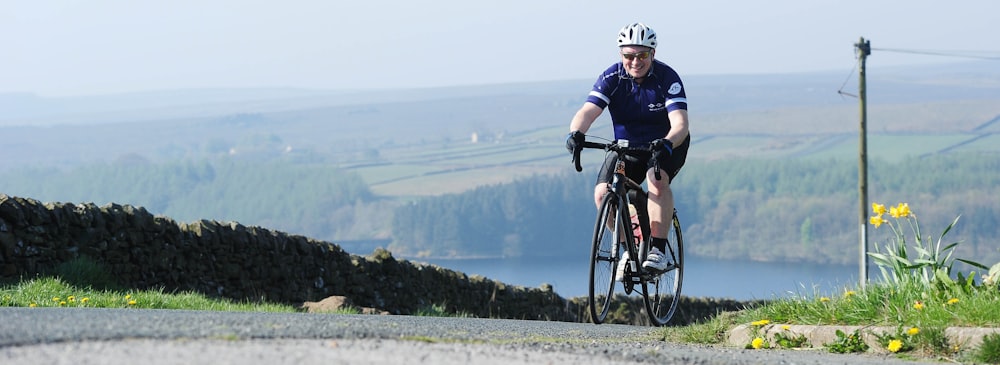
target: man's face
637 60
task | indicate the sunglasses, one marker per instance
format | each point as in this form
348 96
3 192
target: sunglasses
640 55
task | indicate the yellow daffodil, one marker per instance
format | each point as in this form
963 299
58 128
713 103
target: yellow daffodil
757 343
894 212
895 345
876 221
913 331
879 209
918 305
904 210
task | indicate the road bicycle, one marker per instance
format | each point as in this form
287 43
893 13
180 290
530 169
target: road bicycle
615 236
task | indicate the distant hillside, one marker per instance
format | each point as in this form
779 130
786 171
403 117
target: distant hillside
444 140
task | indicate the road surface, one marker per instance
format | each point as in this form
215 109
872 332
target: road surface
159 337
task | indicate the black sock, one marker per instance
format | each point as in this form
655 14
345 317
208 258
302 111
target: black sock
659 243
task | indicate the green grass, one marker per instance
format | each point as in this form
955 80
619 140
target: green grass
908 304
85 283
928 309
56 292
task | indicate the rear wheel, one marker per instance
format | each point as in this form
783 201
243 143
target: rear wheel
605 252
663 292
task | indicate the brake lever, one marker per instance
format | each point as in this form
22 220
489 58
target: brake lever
576 159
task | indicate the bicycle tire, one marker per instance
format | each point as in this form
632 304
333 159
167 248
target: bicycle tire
604 256
662 293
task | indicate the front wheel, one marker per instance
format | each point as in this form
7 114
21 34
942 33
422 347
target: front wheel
604 255
663 292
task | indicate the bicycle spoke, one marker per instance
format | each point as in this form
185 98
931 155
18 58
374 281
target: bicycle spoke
663 290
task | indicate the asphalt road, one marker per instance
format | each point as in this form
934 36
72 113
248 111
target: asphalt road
138 336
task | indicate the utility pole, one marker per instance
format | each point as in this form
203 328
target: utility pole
863 49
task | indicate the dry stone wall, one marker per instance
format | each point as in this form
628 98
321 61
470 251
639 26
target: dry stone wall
240 262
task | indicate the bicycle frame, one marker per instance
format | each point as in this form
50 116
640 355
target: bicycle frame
660 289
627 192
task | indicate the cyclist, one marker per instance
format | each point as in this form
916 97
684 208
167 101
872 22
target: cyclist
648 105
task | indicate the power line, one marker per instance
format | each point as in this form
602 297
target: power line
841 90
959 54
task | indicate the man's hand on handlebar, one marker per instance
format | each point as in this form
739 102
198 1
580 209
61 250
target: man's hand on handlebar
574 144
662 149
661 145
574 141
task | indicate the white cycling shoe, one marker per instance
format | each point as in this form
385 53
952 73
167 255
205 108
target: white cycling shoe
656 261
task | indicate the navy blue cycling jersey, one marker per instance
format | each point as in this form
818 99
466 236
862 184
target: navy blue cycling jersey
639 111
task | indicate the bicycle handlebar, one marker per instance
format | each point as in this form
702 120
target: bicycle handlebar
613 146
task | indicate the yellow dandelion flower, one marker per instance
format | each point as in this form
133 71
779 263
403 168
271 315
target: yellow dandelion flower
918 305
904 210
879 209
62 303
56 299
32 305
760 323
131 302
786 327
71 299
849 293
913 331
952 301
128 296
824 299
895 345
85 300
757 343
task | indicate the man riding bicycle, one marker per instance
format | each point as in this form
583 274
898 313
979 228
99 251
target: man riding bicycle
647 102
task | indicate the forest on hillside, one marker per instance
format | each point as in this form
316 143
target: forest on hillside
766 210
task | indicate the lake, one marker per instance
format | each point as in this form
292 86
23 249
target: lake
703 277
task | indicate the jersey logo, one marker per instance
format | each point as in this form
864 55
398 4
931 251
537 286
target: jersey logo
675 88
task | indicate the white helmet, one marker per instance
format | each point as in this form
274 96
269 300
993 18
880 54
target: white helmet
637 34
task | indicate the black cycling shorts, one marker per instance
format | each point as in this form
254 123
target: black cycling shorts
637 163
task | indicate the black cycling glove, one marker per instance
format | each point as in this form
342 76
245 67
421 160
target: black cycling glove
662 149
574 140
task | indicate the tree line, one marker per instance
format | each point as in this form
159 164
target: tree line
765 210
299 198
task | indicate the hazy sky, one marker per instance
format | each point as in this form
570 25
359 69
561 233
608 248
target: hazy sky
79 47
